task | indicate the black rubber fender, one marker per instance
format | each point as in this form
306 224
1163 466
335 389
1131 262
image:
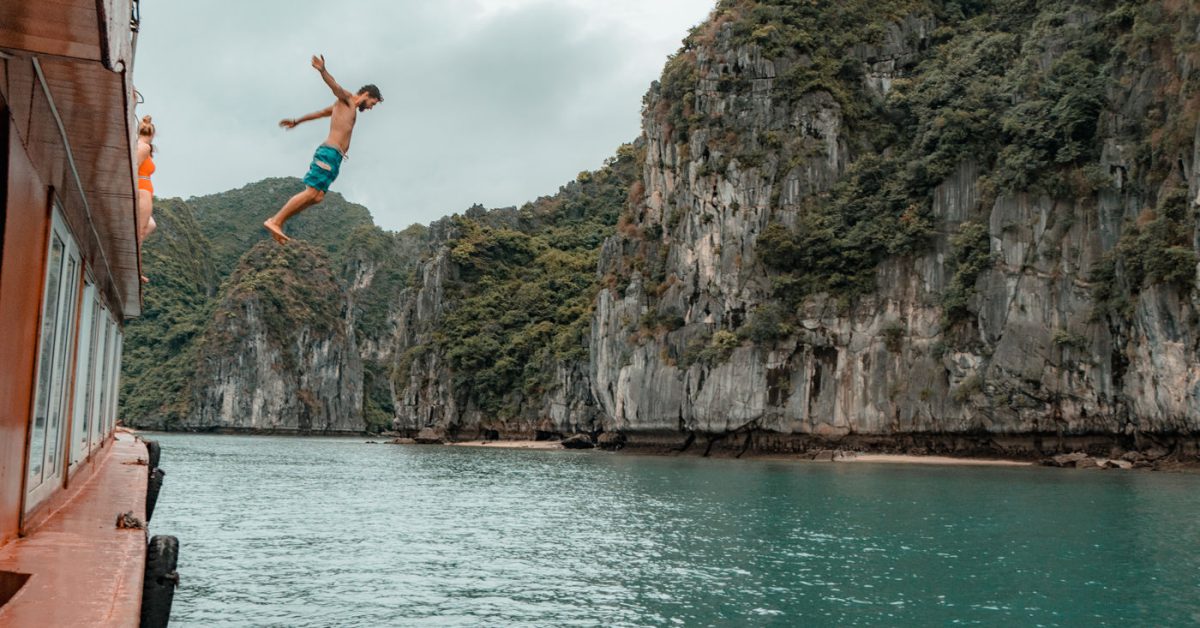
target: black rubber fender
158 588
153 452
152 489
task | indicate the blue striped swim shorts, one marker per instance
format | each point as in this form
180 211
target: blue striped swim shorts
326 163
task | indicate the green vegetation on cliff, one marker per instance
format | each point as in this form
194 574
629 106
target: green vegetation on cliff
288 287
1020 88
970 255
210 256
388 258
160 357
232 221
377 268
1155 249
526 285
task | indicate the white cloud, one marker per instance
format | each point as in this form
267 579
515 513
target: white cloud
489 101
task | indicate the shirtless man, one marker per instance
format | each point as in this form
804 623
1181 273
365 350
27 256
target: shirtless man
327 161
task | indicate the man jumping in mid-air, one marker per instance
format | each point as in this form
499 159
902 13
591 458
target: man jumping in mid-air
328 158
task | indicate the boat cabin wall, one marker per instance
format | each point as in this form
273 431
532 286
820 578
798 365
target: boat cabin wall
67 243
26 223
60 350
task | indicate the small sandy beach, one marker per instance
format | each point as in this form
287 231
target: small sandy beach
510 444
939 460
860 457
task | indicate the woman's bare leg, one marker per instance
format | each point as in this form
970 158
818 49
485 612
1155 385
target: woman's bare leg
145 222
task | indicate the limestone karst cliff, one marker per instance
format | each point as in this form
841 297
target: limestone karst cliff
242 335
492 335
902 223
278 354
901 220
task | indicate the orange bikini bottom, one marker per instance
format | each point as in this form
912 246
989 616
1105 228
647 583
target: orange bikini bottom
145 184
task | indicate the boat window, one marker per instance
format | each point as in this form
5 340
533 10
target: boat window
85 375
63 365
55 363
100 419
110 392
116 393
114 345
37 440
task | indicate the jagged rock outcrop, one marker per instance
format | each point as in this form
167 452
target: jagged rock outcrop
430 394
279 355
265 367
491 335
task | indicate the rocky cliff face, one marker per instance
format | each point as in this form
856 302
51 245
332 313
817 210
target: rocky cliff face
491 337
924 226
295 339
898 224
279 354
1034 347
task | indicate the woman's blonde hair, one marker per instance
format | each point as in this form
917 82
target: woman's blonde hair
146 129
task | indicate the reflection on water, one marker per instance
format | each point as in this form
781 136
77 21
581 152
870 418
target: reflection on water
335 532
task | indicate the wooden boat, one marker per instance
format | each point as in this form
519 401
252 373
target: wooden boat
69 278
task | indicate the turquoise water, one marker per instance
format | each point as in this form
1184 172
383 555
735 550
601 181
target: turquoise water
335 532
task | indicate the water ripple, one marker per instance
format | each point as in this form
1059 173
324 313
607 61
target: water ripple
333 532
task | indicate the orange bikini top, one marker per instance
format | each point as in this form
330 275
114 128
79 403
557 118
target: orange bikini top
146 169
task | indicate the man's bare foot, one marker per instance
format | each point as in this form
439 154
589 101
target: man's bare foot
276 232
145 279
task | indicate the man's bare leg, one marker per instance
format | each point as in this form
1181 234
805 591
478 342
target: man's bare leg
298 203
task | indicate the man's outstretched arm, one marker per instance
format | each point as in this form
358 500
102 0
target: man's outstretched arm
340 92
316 115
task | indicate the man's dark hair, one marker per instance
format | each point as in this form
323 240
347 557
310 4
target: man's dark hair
371 91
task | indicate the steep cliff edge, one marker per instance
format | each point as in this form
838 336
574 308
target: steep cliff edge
894 220
279 354
238 336
491 338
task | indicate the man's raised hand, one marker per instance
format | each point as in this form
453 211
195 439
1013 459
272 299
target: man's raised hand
318 62
288 123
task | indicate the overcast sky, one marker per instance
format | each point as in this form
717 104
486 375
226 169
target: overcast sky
486 101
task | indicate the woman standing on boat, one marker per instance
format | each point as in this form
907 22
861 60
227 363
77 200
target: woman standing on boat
145 194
